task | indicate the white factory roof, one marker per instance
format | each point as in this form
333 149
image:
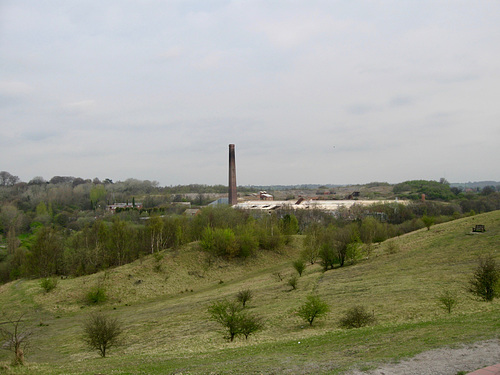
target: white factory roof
326 205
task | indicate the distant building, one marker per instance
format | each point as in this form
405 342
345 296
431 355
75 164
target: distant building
264 196
123 206
191 212
219 201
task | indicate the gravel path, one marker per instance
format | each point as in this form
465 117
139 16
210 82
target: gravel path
443 361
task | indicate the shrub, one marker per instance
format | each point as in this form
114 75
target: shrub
484 281
248 244
228 314
292 281
313 308
447 301
101 332
356 317
299 266
250 324
428 221
392 247
219 242
353 252
96 295
232 317
328 257
244 296
48 284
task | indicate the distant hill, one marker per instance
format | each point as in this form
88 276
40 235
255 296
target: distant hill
476 184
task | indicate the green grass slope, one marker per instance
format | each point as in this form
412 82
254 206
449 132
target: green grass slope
162 304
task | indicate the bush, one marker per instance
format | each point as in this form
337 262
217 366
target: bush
228 314
232 317
447 301
484 281
392 247
313 308
356 317
101 332
244 296
250 324
248 244
48 284
96 295
292 281
428 221
299 266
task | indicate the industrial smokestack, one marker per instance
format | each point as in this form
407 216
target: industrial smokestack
232 196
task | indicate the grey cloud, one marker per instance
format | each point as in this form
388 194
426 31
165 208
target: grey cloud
400 101
360 109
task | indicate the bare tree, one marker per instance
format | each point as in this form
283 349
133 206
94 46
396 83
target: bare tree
101 332
15 337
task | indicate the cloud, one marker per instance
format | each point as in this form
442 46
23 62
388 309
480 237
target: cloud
158 90
15 88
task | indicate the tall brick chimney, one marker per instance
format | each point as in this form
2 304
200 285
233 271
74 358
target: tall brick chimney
232 196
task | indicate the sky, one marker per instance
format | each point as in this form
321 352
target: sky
312 91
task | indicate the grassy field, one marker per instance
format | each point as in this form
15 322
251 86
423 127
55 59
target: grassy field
162 304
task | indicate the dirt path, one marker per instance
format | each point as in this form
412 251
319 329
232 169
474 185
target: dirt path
444 361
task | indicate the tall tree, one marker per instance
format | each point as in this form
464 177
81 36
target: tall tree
45 255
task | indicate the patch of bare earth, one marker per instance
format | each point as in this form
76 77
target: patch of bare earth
445 361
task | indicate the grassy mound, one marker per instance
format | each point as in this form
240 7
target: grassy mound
162 302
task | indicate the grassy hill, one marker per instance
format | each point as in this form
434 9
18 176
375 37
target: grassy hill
162 303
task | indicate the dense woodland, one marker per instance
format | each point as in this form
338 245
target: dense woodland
61 226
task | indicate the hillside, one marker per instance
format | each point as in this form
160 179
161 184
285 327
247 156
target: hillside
162 303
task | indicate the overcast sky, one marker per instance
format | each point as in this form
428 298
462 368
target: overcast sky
328 92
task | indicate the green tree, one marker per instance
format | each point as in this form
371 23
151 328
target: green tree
248 243
343 239
313 308
45 257
98 193
219 242
235 321
428 221
290 224
155 227
118 242
250 324
312 242
228 314
484 281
